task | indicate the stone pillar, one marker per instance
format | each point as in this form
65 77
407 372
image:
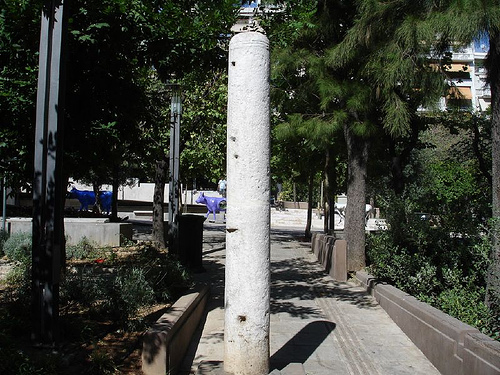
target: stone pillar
247 290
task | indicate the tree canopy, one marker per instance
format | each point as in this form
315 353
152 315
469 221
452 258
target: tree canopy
117 50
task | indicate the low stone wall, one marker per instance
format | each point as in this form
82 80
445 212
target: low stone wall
452 346
300 205
99 231
165 344
332 254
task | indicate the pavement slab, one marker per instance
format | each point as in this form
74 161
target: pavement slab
318 326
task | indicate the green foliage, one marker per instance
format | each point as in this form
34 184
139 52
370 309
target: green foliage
465 301
203 130
85 285
19 43
100 362
436 248
18 247
406 270
439 267
19 282
20 363
151 278
447 180
84 249
130 292
120 54
390 45
4 235
167 276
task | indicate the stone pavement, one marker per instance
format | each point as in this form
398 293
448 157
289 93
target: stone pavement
325 326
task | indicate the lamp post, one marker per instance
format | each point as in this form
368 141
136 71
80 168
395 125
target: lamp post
173 186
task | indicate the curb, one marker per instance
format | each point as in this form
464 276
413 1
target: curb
166 342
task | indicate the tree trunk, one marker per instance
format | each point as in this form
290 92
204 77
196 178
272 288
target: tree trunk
330 181
96 187
493 281
158 199
114 196
309 206
357 156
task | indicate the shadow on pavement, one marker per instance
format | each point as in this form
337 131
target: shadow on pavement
301 346
298 279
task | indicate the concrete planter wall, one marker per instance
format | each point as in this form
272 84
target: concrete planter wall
300 205
332 255
99 231
452 346
165 344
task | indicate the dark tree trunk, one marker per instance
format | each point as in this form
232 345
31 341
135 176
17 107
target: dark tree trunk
96 187
493 281
309 206
330 187
158 199
114 197
354 229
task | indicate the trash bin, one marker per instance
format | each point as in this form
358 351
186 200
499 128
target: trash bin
191 241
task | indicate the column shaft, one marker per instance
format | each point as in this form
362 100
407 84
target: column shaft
247 290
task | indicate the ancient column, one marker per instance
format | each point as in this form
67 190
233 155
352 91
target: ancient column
247 288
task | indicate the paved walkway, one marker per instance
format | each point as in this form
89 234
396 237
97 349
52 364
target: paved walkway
329 327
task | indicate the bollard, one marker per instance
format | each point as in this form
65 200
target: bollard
247 285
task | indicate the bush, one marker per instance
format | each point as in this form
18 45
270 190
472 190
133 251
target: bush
85 286
117 292
130 292
18 246
167 276
84 249
434 264
466 303
4 235
101 362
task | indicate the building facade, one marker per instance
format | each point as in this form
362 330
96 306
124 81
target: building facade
467 78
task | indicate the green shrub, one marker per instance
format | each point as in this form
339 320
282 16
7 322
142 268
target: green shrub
84 285
19 278
431 261
84 249
17 362
167 276
18 246
4 235
130 292
466 303
101 363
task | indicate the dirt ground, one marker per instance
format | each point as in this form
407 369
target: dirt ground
103 348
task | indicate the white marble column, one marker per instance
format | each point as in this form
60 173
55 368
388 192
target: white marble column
247 285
